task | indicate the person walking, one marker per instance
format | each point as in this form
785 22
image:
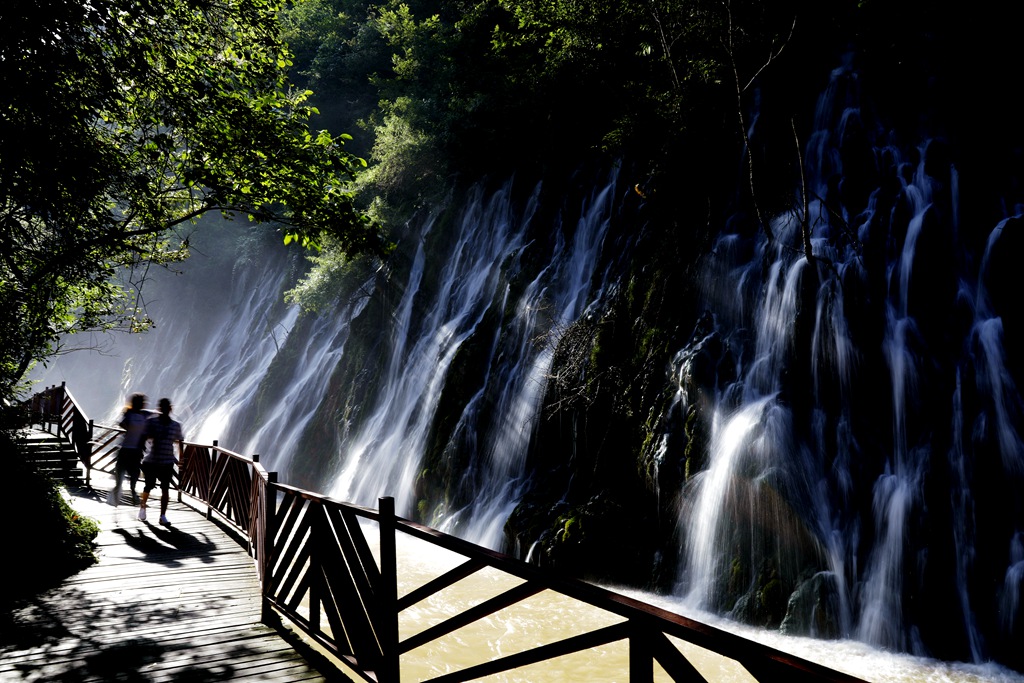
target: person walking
129 454
159 462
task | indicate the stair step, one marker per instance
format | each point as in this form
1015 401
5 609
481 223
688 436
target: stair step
51 455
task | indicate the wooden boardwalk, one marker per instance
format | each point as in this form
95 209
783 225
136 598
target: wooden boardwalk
178 603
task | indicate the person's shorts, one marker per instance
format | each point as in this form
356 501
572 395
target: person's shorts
128 460
156 472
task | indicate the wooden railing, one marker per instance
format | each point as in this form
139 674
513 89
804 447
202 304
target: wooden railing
56 411
317 568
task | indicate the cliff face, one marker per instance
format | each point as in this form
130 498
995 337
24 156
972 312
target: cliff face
814 424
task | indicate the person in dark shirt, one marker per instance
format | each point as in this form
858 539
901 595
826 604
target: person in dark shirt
159 462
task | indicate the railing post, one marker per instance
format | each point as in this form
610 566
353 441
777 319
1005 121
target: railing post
256 512
44 409
85 453
641 659
62 396
265 547
182 468
57 409
209 479
387 616
80 437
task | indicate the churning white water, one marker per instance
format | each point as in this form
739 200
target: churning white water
548 617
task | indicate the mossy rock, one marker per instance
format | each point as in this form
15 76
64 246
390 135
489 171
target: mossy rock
763 603
813 608
595 540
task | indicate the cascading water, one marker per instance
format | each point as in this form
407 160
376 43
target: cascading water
862 411
484 302
217 331
421 350
424 382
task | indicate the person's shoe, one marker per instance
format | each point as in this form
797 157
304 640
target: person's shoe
163 520
135 498
142 514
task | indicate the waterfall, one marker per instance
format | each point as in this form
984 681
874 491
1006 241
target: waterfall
865 445
485 298
218 328
423 381
475 277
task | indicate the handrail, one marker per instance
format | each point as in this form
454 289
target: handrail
316 567
55 409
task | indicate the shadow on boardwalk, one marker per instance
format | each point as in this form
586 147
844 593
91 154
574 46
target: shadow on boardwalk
178 603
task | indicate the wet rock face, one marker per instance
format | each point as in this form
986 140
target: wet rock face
889 353
885 414
599 540
704 367
812 609
764 603
1000 276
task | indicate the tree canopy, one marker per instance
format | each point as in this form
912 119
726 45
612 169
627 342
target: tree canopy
121 123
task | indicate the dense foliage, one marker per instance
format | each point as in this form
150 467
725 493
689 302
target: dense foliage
46 538
121 122
492 85
463 89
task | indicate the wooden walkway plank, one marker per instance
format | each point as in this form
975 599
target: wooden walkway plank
177 603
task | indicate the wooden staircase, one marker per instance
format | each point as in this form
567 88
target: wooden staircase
50 455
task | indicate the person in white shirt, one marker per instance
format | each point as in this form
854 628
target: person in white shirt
129 453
